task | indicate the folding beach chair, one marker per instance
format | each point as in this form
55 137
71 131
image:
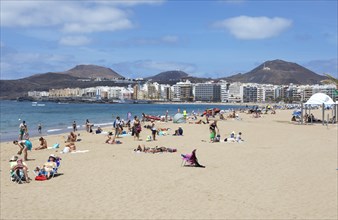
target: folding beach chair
17 176
190 159
42 172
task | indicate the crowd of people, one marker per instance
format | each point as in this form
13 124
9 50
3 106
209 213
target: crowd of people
132 126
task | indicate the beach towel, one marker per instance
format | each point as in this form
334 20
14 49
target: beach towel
79 151
40 178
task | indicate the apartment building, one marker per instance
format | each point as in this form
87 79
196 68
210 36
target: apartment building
207 92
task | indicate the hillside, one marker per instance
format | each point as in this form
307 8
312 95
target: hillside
10 89
168 77
93 71
278 72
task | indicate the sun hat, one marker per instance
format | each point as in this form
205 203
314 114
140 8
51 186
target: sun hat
13 158
52 155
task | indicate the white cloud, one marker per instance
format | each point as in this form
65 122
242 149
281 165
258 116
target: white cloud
165 65
251 28
170 39
74 40
134 69
69 16
16 64
145 41
130 2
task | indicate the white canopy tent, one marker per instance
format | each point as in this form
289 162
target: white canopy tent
323 100
320 99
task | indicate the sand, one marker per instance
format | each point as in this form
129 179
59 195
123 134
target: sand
281 171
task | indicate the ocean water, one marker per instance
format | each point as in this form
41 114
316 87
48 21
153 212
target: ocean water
58 118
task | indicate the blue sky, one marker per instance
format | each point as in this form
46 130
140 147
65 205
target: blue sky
143 38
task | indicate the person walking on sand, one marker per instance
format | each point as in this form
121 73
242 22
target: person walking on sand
22 130
24 145
74 126
88 125
137 128
116 126
153 131
166 116
212 128
39 128
185 114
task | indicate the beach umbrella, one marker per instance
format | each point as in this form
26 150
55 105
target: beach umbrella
179 118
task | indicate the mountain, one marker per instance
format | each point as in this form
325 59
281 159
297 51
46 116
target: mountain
10 89
278 72
168 77
93 71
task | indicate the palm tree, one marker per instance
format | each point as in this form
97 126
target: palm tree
330 80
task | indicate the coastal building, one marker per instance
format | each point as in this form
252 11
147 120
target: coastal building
208 92
224 92
136 89
268 93
165 92
183 91
329 90
235 92
38 94
249 93
67 92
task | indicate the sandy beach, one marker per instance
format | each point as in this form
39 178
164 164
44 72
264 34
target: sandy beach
282 170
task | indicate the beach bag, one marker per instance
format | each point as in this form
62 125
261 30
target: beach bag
40 178
56 146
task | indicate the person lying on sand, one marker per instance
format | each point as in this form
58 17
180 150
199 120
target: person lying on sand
197 122
111 140
69 148
155 149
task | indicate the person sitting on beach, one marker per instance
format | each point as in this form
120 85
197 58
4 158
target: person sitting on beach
111 140
16 165
256 115
231 138
239 137
48 168
43 144
178 132
24 145
293 118
217 138
72 137
232 115
98 130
